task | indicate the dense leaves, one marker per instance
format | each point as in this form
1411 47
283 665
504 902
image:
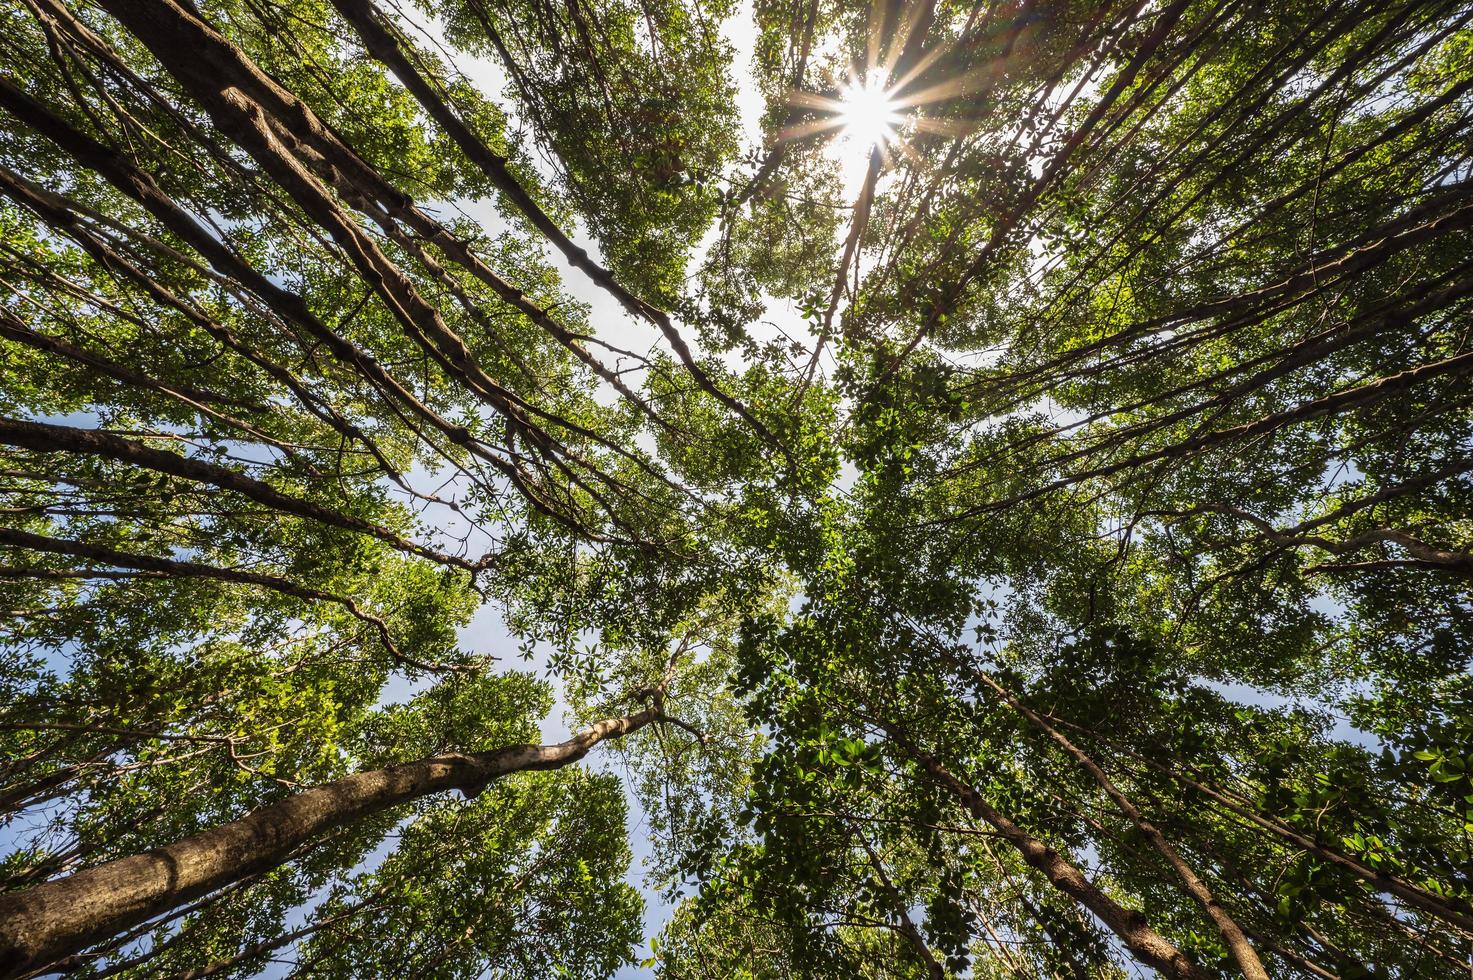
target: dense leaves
1036 544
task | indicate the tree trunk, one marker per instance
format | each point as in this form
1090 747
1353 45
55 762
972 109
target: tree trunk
44 438
192 569
44 923
1143 941
246 104
1412 894
1232 933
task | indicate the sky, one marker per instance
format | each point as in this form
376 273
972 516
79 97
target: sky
486 633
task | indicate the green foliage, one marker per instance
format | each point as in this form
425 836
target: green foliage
1049 546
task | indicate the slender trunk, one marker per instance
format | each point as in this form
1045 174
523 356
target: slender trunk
907 926
43 437
270 945
380 42
296 151
1411 894
193 569
245 104
44 923
999 947
13 328
1144 942
1344 400
1307 965
290 307
63 215
1232 934
17 797
1076 969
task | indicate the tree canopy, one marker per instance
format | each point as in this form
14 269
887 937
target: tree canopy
989 486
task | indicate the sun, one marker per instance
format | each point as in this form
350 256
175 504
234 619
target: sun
868 113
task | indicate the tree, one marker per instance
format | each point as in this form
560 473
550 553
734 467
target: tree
1030 541
49 920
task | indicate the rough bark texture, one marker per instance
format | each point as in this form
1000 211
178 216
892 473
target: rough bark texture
290 307
269 122
382 44
1410 893
44 923
153 565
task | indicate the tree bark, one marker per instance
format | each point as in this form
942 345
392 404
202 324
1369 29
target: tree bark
380 42
44 923
192 569
1412 894
258 114
290 307
907 927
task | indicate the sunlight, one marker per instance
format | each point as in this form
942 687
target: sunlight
867 115
868 112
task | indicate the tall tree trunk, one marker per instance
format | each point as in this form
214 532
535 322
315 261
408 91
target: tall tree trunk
907 927
44 923
1453 910
1143 941
1232 933
101 554
260 115
380 41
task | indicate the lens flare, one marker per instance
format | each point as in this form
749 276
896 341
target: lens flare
867 112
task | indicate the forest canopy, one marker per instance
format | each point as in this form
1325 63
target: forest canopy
986 487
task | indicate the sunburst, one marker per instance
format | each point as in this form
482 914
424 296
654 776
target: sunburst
875 105
868 113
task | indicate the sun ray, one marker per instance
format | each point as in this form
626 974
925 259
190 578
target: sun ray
971 83
901 35
946 127
921 65
811 127
813 100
